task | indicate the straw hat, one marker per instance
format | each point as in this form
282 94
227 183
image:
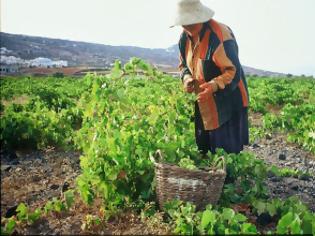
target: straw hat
191 12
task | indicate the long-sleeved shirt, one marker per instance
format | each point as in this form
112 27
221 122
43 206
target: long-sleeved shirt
214 59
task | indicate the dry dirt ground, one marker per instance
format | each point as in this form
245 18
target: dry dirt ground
34 177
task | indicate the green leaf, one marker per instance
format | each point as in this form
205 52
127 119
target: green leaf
22 211
58 205
35 215
240 217
48 207
69 198
97 221
9 227
207 217
112 175
248 228
284 222
228 214
296 225
306 225
271 208
260 206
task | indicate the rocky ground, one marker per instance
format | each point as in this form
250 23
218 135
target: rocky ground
33 177
275 150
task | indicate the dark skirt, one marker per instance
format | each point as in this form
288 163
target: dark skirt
231 136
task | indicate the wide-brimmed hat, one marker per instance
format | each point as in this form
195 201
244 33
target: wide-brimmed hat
191 12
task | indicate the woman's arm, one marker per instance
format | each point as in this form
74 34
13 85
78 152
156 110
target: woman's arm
226 58
184 70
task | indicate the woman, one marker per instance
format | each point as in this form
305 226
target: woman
210 67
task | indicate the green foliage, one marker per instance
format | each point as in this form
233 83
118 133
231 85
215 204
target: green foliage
186 220
49 116
37 127
124 121
128 119
293 215
57 205
68 87
288 172
245 178
58 75
187 163
278 92
183 216
9 227
69 198
293 100
299 121
25 215
1 107
90 221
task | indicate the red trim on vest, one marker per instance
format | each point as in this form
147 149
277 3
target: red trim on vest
204 45
217 29
243 93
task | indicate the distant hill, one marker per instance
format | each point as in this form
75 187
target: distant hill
92 54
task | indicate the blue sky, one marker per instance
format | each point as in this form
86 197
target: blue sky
276 35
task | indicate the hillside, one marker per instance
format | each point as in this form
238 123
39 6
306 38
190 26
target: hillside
92 54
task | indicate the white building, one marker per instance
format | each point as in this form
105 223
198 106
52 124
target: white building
40 62
9 60
8 69
46 62
4 50
37 62
60 63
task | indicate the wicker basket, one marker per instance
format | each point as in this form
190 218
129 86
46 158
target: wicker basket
196 186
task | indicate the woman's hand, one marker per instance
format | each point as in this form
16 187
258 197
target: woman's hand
208 88
189 85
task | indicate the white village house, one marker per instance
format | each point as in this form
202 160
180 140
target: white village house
7 59
46 62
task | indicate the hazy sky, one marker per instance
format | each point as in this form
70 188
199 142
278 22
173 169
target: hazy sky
276 35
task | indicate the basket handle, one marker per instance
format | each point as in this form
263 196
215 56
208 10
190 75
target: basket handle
221 158
157 156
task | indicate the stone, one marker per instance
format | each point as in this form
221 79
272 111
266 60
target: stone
270 174
311 163
65 186
14 162
36 178
289 163
276 179
11 211
54 186
5 168
304 177
282 156
295 187
264 219
278 191
268 136
255 145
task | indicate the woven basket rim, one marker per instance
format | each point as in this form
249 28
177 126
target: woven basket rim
161 164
